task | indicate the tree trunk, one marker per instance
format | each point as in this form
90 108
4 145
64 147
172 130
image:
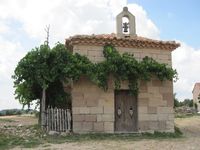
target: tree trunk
40 114
43 112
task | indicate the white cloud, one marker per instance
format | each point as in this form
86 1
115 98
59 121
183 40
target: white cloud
66 18
10 54
144 25
187 61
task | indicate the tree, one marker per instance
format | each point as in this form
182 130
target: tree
176 102
188 102
38 72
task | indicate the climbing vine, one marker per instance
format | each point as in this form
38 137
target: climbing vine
46 67
126 67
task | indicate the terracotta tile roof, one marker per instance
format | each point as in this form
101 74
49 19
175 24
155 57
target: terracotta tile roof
133 42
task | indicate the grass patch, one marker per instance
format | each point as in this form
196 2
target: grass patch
6 120
186 115
164 135
9 141
105 136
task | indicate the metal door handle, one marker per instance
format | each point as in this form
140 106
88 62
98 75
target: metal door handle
119 112
131 111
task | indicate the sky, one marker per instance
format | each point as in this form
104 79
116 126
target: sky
23 22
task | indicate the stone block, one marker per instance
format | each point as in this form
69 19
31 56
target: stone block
90 118
166 52
96 110
153 90
83 52
168 84
153 125
154 56
99 118
99 59
143 117
164 57
108 117
153 117
75 110
169 124
171 117
165 90
95 53
88 126
167 96
162 117
169 130
143 102
143 87
109 127
165 110
142 109
106 101
128 50
143 95
84 110
143 83
77 126
99 126
137 55
170 102
146 54
156 83
157 96
162 125
82 47
95 48
78 101
143 125
92 100
152 110
155 101
108 110
155 51
77 118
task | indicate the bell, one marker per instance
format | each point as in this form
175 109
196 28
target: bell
125 26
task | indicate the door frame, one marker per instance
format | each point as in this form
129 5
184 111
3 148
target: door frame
136 118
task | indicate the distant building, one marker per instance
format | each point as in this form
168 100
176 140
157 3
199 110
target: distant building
196 94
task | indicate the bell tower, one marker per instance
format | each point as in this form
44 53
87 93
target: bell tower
125 24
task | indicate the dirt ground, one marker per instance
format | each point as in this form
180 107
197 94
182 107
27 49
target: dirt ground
189 126
191 141
22 120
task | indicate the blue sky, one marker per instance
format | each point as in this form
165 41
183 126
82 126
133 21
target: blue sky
176 19
22 25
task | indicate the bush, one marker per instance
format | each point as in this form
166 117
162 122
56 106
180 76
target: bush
8 112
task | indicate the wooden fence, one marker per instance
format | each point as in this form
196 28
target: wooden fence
58 119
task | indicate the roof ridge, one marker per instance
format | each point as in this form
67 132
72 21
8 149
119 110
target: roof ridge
137 41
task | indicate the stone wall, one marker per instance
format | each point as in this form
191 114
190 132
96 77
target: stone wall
95 53
93 108
155 106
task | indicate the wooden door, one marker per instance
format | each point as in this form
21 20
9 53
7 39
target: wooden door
125 111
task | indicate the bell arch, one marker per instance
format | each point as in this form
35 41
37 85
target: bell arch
125 28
